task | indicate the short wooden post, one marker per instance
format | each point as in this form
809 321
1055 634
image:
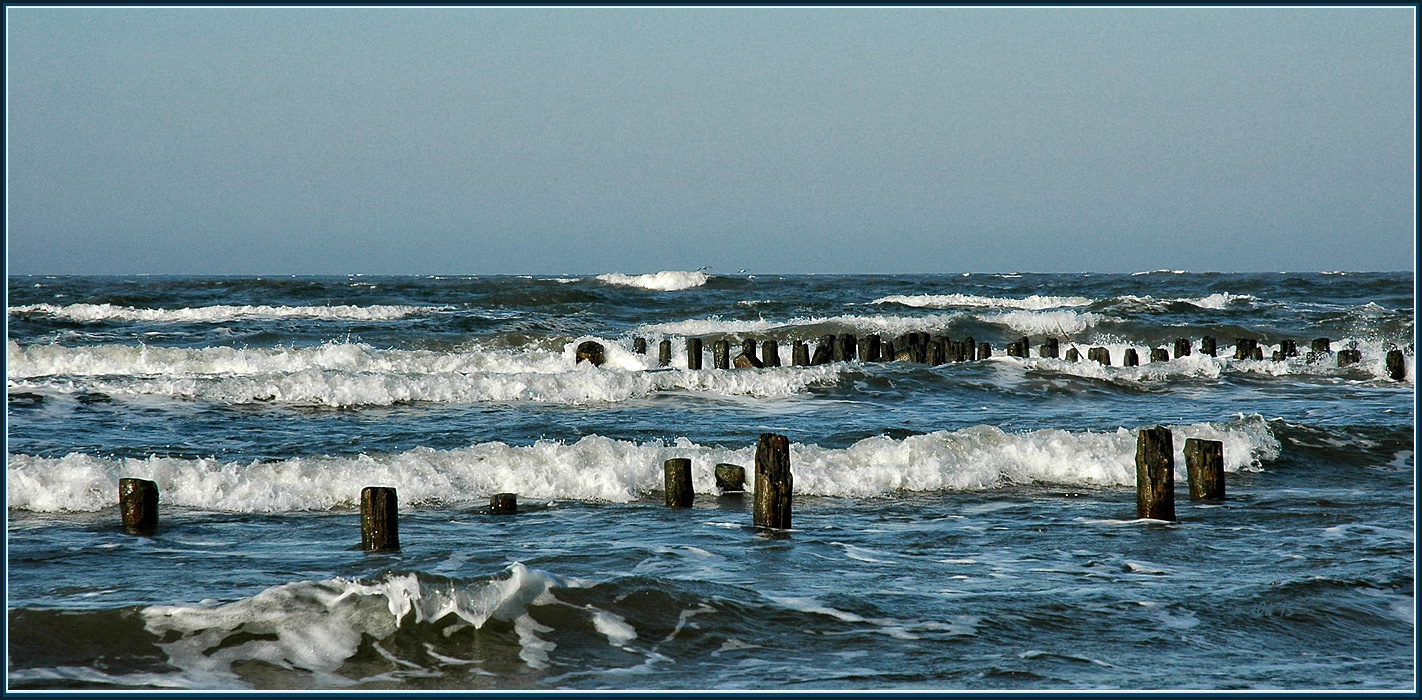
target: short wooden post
693 353
639 346
1349 357
770 353
1160 355
379 519
1182 348
721 354
773 483
1279 356
1130 358
1073 355
747 359
1155 474
503 503
1207 346
1204 466
590 351
800 354
730 478
1099 354
1289 348
678 482
1050 348
936 356
824 352
1396 365
844 347
664 353
1244 348
138 504
1322 345
1256 353
887 352
984 351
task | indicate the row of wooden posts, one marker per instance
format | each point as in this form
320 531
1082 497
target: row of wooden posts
379 505
937 350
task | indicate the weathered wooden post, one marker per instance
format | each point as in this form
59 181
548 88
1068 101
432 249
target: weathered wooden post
1155 474
773 483
1244 348
693 353
747 358
1207 346
1160 355
1073 355
639 346
824 352
1289 348
844 347
1182 348
379 519
503 503
936 356
1279 356
1349 357
984 350
1322 345
970 349
138 505
590 351
1396 365
800 354
721 354
1204 467
678 482
1050 348
1130 358
770 353
887 352
1099 354
664 353
1256 353
730 478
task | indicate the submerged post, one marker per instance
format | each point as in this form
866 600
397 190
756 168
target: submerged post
730 478
379 519
1073 355
590 351
138 504
503 503
1155 474
772 481
1349 357
693 353
678 482
1099 354
1204 467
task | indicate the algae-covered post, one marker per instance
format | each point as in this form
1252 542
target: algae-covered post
138 504
1204 467
678 482
730 478
1155 474
379 519
503 503
773 483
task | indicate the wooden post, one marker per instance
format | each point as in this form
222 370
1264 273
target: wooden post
770 353
1050 348
1244 348
800 354
503 503
138 504
1073 355
693 353
1349 357
1130 358
730 478
678 481
591 351
824 352
1207 346
773 483
1279 356
1155 474
1289 348
887 352
379 519
984 351
639 346
1099 354
721 354
1396 365
844 347
970 349
1182 348
1322 345
747 358
1256 353
1204 466
664 353
1160 355
936 356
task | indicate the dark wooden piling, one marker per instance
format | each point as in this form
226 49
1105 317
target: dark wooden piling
844 347
1349 357
1396 365
1160 355
590 351
1244 348
936 353
1204 467
1182 348
1155 474
770 353
1256 353
824 352
664 353
1130 358
693 353
1289 348
1099 354
721 354
503 503
1279 356
800 354
970 349
773 482
1322 345
678 482
747 359
984 351
751 349
1073 355
1050 348
887 352
1207 346
379 519
639 346
730 478
138 505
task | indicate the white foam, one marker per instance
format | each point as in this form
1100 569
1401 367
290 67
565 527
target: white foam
88 313
944 301
884 325
665 281
1051 323
597 468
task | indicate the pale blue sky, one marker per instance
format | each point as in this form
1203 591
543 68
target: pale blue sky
539 140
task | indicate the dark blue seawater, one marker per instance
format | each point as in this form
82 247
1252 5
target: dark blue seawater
960 526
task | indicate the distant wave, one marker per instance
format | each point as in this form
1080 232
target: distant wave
945 301
665 281
88 313
597 468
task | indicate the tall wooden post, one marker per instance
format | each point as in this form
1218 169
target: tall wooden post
721 354
800 354
1204 467
773 483
678 482
1155 474
770 353
379 519
138 504
693 353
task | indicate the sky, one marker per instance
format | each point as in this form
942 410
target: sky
529 140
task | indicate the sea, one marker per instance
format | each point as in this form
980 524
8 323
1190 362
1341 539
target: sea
964 526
